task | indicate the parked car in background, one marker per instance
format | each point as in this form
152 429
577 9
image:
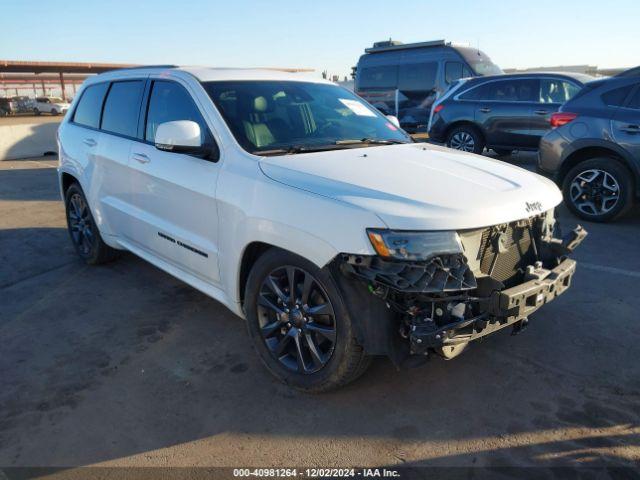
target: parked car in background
22 104
593 151
404 79
52 105
503 113
308 213
6 107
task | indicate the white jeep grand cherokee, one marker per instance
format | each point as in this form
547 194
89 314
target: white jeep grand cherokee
304 210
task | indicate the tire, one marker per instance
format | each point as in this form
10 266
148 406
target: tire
337 362
54 112
36 111
501 152
465 138
83 231
587 185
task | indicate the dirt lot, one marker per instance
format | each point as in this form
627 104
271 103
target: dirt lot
123 365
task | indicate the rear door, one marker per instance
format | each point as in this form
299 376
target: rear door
377 84
174 194
119 128
504 109
625 125
552 94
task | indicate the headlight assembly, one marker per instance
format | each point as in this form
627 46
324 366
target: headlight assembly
403 245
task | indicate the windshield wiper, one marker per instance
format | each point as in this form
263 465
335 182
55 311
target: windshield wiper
293 149
370 141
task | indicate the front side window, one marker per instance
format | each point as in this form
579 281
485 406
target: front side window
90 106
122 107
417 77
556 91
378 77
297 116
453 71
170 102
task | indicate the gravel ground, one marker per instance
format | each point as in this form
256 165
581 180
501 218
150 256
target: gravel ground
124 365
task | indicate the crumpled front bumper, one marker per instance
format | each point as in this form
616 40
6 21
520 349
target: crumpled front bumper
500 310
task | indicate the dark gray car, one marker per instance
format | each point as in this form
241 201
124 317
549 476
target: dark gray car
501 112
593 151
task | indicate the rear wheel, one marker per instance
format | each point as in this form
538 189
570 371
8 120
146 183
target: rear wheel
83 230
598 190
299 324
36 111
465 138
54 111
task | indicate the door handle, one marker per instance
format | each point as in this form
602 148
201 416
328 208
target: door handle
485 110
631 129
540 112
141 158
90 142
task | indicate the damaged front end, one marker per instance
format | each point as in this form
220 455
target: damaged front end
465 285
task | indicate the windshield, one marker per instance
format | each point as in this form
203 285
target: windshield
479 61
277 117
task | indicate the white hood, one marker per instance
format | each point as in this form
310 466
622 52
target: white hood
419 186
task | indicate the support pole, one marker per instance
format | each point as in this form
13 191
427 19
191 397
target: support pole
64 97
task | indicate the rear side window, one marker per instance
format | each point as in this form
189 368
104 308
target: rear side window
379 77
90 106
169 102
417 76
635 101
617 96
122 107
505 91
553 90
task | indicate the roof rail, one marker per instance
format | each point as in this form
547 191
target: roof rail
141 67
391 45
632 72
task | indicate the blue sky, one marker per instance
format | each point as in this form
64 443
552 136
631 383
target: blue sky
324 34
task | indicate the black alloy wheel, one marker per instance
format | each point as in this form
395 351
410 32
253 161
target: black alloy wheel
297 320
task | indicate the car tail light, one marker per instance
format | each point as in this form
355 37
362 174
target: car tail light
559 119
437 108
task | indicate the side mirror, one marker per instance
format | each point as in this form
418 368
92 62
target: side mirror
180 136
393 119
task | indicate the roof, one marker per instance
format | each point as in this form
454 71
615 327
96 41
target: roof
206 74
581 77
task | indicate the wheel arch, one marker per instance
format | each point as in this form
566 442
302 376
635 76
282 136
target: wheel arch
464 123
586 152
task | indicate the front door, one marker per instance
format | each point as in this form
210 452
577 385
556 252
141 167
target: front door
174 194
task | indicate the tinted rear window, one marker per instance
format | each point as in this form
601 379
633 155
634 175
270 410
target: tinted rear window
617 96
122 107
505 91
88 110
635 101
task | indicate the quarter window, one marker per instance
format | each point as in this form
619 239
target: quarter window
90 106
122 107
170 102
505 91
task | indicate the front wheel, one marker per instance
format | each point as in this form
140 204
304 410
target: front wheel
36 111
299 324
54 112
465 138
598 189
